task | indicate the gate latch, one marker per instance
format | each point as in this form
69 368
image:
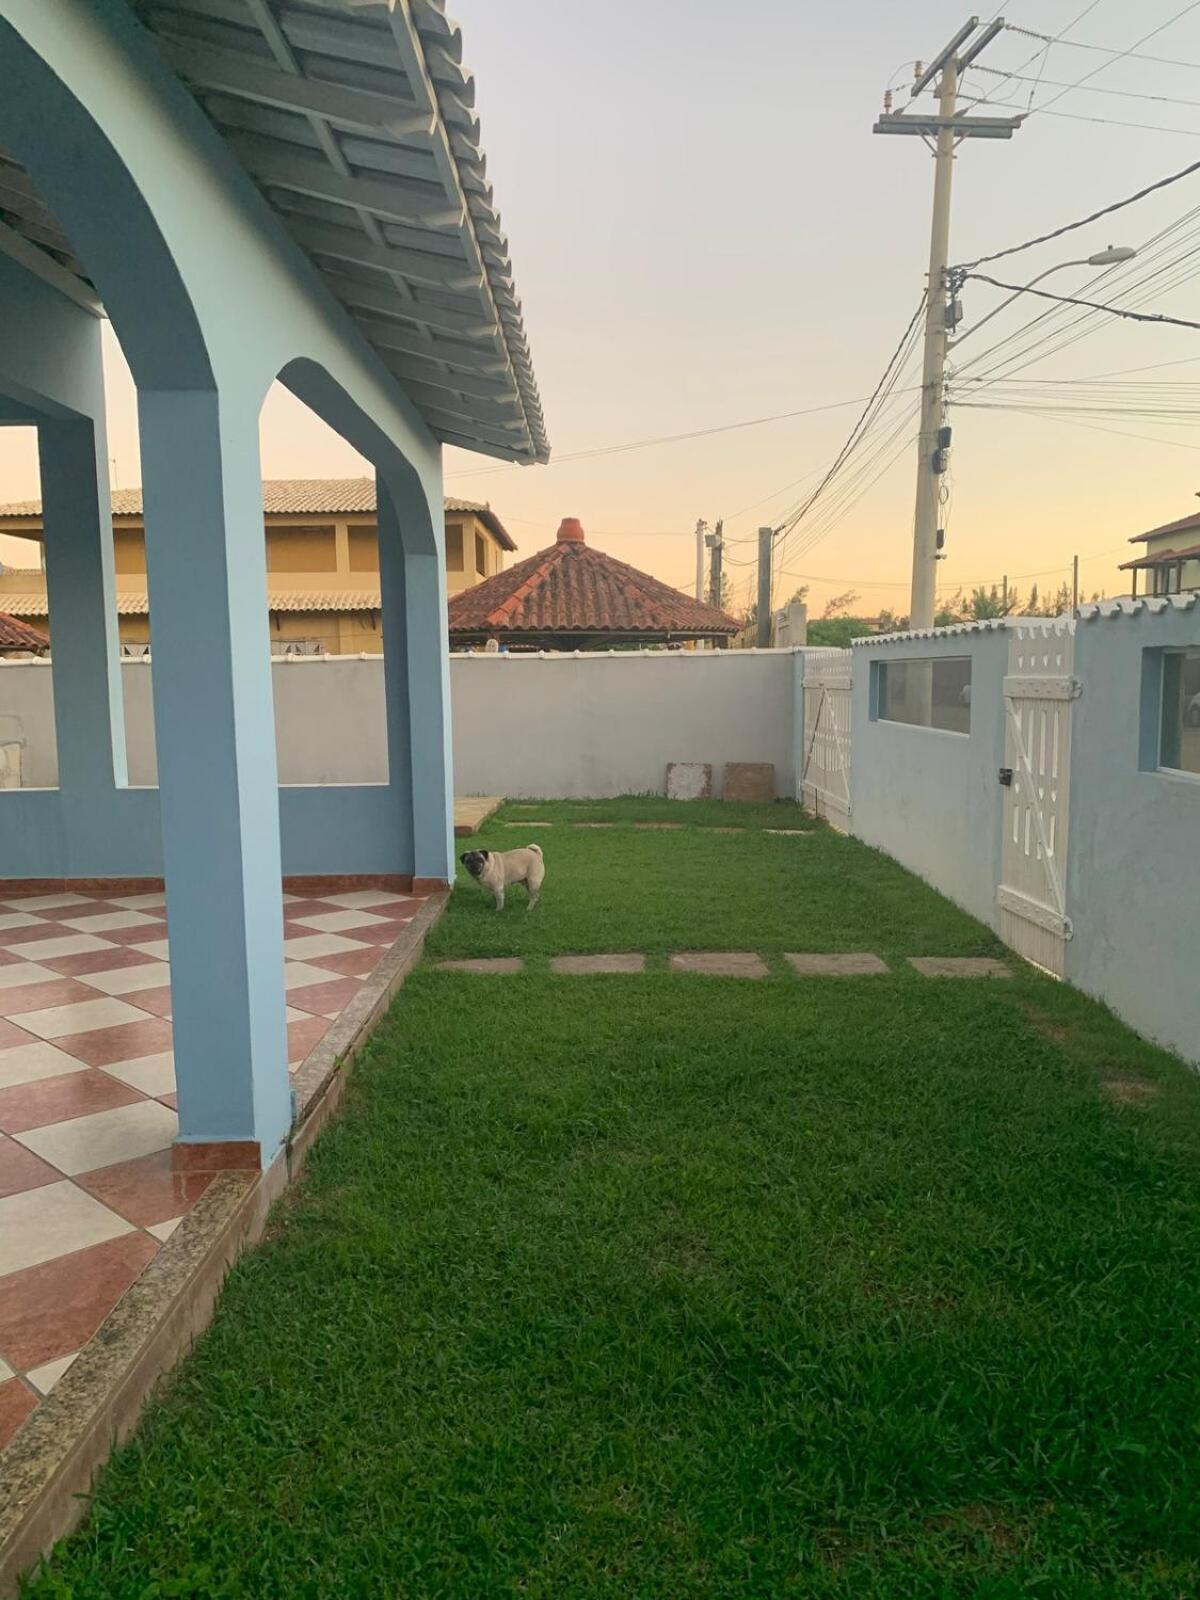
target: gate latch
1005 777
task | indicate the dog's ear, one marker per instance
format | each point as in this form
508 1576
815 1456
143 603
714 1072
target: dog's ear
463 857
486 854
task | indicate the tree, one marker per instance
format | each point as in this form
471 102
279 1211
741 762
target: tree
987 603
839 605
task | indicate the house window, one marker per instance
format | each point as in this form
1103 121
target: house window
454 548
1179 725
931 692
480 556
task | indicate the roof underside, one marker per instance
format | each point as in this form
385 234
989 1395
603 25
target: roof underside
570 591
1167 558
355 120
1182 525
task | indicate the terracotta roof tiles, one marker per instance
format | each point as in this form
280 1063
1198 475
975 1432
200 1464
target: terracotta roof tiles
571 589
16 635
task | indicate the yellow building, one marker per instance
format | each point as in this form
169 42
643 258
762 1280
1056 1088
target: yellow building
322 563
1171 562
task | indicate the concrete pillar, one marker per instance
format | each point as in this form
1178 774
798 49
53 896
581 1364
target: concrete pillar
89 710
215 731
416 669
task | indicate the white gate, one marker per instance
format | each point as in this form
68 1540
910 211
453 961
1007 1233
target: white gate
1038 692
825 773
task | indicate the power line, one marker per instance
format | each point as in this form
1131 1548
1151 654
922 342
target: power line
1091 305
1106 49
668 438
1108 122
880 392
1119 56
1052 83
1070 227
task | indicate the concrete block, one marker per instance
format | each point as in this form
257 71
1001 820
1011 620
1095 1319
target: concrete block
689 780
720 964
581 966
959 967
500 966
848 964
750 781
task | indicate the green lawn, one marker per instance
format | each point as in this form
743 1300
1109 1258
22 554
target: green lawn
669 1287
623 888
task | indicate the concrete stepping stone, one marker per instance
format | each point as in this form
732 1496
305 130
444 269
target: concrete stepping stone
843 964
472 811
704 829
720 964
789 833
593 824
659 826
959 967
526 824
581 966
500 965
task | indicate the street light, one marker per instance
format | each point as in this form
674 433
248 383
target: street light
1111 256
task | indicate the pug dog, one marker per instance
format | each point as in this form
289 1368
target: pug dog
496 869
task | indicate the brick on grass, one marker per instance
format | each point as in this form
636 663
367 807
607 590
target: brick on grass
750 782
720 963
959 967
842 964
689 780
581 966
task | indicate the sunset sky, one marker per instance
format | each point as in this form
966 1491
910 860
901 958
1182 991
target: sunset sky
706 232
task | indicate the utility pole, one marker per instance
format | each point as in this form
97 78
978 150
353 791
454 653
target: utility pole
766 539
946 130
701 525
1074 583
716 543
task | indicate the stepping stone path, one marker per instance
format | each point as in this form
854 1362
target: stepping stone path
959 967
580 966
526 824
659 825
499 965
720 964
789 833
851 964
593 824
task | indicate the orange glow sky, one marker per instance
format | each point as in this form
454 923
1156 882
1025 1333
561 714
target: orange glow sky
704 230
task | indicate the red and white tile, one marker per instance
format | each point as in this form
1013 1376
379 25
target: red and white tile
88 1192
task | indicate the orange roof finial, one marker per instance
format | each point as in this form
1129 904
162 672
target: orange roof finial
570 531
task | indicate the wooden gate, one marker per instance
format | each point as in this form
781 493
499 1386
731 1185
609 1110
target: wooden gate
825 773
1038 692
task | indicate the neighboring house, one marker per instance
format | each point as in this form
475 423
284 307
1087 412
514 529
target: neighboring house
571 597
322 563
1171 562
18 639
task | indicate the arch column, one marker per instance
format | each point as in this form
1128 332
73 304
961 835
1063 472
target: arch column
416 660
215 732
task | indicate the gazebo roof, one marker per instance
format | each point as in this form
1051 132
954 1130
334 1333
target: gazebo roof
571 590
16 635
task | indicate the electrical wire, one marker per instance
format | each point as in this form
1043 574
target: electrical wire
1070 227
1091 305
1052 83
1119 56
1105 49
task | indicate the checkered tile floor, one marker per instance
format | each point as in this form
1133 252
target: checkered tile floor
87 1100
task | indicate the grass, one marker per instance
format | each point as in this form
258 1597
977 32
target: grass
659 890
670 1288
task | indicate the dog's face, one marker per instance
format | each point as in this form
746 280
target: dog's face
475 861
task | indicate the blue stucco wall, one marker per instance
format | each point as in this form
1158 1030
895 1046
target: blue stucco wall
1133 866
930 798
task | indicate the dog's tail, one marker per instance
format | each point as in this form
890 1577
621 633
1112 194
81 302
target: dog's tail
536 847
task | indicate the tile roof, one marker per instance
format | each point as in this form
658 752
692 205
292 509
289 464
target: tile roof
292 497
1165 559
136 603
1184 525
571 589
16 635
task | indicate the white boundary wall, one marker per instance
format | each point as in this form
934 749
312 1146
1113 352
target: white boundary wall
554 726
